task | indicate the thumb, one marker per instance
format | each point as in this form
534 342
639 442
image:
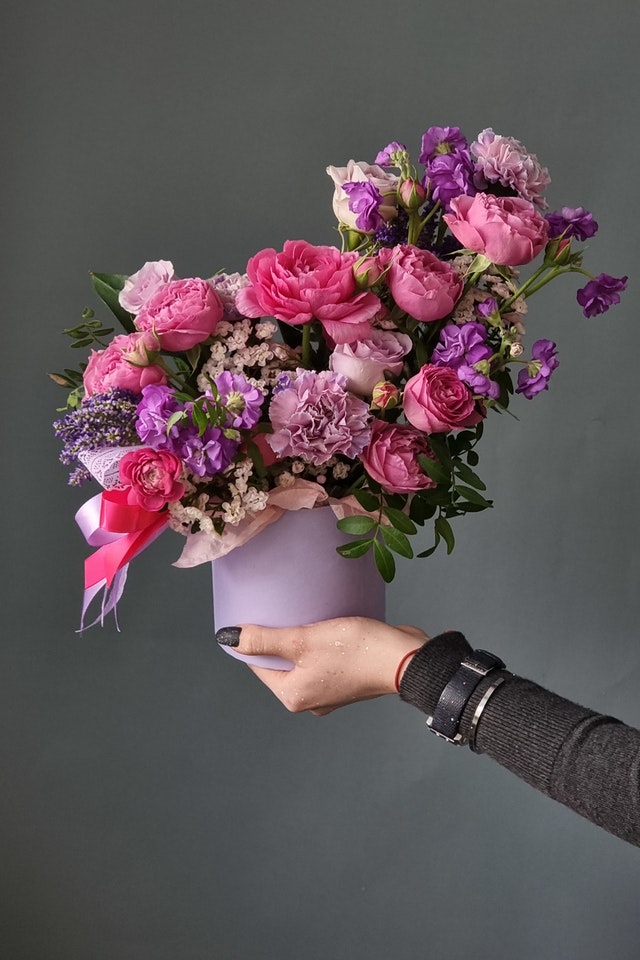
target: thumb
259 641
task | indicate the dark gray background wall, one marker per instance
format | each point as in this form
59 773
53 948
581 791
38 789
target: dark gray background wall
156 802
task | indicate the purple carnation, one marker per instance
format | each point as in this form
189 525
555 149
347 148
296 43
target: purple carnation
442 140
316 418
241 399
600 293
506 161
571 222
535 377
365 200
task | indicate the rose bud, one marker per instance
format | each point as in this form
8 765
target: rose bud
412 194
385 395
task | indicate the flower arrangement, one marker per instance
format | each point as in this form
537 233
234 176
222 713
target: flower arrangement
358 375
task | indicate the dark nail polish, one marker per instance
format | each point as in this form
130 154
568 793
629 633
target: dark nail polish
228 636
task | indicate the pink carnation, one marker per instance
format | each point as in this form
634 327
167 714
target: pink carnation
315 417
436 401
507 230
152 476
392 457
506 161
303 283
364 362
141 286
420 283
125 363
182 313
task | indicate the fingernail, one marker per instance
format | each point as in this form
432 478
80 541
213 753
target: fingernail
228 636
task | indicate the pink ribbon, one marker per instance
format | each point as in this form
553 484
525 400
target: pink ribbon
121 531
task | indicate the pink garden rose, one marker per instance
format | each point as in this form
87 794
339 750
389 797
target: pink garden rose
361 172
303 283
152 478
507 230
141 286
420 283
504 160
127 363
392 457
182 313
436 401
364 362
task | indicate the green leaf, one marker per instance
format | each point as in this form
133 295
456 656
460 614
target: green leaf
400 520
431 550
175 418
367 500
356 525
443 527
396 500
256 458
420 510
355 549
472 458
466 473
397 541
193 356
473 496
434 470
384 561
108 286
465 507
440 447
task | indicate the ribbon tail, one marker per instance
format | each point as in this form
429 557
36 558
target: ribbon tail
111 596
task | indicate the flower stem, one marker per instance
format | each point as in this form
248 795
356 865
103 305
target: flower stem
306 346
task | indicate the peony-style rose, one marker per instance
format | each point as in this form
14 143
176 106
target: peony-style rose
436 401
385 183
152 478
182 313
420 283
315 417
305 282
506 230
141 286
392 457
364 362
127 363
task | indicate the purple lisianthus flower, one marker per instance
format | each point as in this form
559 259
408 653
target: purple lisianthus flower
600 293
241 399
316 418
534 378
572 222
450 175
457 342
442 140
206 454
365 200
157 406
386 157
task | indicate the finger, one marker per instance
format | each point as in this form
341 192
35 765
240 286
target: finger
255 640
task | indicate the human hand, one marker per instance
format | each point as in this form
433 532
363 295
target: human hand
336 662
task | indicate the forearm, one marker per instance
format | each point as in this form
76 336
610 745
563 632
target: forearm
586 761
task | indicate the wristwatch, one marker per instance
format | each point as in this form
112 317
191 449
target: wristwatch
455 696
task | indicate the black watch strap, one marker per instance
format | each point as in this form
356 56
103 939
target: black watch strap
445 721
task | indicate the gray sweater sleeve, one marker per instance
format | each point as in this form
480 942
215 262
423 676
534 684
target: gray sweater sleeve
589 762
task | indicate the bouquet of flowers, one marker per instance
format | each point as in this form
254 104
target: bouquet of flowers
358 375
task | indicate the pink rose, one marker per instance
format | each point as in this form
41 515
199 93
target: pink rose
360 172
392 457
304 283
152 476
364 362
436 401
141 286
420 283
126 363
182 313
507 230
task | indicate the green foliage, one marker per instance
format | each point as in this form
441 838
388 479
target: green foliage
108 286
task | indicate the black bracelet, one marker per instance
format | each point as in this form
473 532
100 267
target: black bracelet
445 721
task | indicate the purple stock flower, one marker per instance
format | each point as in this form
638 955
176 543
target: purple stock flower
386 157
572 222
241 399
157 406
600 293
442 140
450 175
316 418
478 382
365 200
487 307
206 454
534 378
456 342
